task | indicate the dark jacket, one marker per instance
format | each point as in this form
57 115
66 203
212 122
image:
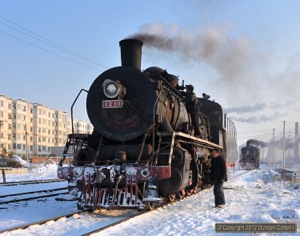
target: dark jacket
192 103
218 171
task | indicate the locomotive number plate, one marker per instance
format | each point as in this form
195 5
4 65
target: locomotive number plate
112 103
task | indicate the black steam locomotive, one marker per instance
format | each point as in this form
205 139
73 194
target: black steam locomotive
142 150
250 155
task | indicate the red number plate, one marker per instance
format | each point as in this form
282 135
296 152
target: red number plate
112 103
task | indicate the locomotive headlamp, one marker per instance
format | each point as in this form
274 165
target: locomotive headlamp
113 89
110 89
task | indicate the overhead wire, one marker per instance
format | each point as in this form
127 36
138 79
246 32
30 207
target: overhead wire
55 45
47 50
47 42
262 134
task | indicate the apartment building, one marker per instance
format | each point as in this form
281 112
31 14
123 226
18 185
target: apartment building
32 129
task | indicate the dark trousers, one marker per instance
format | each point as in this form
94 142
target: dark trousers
219 194
195 122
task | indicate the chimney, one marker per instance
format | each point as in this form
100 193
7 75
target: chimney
131 53
296 151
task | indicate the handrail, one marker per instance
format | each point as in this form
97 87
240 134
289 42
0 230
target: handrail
153 122
73 105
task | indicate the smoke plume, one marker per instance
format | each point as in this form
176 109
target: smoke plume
256 143
242 69
258 107
211 45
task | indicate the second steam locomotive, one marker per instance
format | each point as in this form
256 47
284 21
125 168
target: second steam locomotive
250 155
142 150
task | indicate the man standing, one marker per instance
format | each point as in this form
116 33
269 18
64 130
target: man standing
220 175
193 106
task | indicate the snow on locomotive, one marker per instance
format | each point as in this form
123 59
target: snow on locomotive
142 150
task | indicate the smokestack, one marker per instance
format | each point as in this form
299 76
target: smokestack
131 53
296 151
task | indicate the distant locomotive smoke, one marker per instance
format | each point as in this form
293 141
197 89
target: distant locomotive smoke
249 110
291 147
256 143
211 45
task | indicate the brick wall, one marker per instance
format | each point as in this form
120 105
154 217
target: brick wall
39 160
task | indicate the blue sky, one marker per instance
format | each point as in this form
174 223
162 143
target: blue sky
243 53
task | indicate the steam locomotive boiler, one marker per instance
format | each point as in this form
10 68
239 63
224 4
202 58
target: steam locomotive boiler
142 150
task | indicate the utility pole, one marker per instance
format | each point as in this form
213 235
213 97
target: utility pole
296 150
1 124
273 147
26 145
283 146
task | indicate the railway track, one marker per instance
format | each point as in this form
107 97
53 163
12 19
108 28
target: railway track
160 206
41 222
31 182
121 221
130 214
19 191
27 196
113 219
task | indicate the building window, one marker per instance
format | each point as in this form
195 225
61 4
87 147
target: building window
19 107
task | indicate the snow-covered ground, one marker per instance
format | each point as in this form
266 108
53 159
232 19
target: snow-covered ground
250 198
35 172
